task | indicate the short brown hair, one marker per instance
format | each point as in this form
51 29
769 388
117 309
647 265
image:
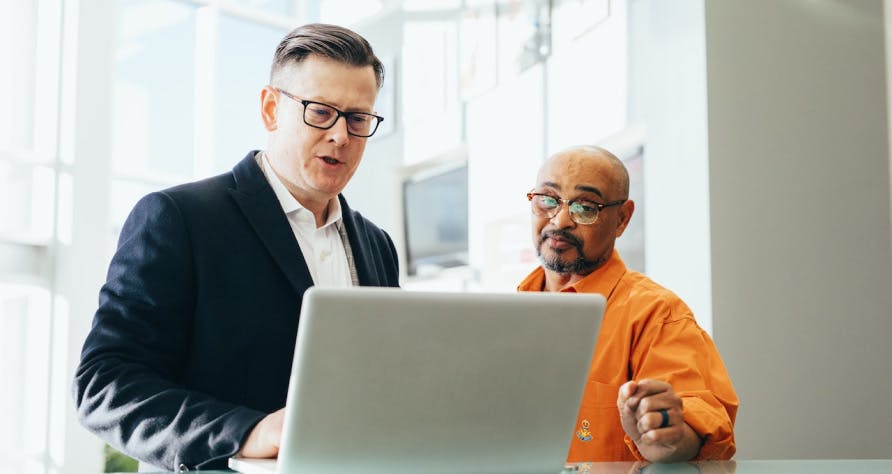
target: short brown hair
330 41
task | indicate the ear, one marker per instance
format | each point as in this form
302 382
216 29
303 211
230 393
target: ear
269 101
625 215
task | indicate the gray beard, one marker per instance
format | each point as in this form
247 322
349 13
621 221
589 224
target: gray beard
579 266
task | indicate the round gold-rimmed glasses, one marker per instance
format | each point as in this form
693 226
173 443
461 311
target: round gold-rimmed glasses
582 211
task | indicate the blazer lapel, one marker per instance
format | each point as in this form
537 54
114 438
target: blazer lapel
361 252
258 203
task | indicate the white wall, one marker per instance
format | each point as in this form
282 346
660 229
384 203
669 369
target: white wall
800 220
667 99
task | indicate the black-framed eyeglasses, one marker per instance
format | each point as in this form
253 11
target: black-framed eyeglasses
582 211
324 116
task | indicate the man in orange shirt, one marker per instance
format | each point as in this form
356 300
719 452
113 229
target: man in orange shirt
657 389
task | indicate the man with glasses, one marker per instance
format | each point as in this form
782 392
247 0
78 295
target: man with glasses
190 352
657 388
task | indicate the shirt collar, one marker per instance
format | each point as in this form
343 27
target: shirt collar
290 204
601 281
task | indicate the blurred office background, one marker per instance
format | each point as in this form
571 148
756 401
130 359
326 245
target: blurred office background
757 134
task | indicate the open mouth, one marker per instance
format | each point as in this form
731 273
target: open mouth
331 161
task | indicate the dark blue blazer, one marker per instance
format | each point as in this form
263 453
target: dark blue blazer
194 336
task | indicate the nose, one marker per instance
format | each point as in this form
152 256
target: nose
562 220
338 132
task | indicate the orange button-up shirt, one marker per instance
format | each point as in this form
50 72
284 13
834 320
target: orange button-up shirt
647 333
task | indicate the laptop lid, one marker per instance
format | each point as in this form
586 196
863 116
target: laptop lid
388 380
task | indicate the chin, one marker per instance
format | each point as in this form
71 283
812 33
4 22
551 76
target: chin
328 185
558 263
552 260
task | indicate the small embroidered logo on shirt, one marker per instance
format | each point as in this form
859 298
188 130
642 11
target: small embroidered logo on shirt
583 433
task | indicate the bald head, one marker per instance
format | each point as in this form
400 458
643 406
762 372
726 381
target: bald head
587 162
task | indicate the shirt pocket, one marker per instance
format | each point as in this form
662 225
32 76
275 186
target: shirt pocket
599 394
598 434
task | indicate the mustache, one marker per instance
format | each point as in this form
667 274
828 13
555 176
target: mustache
562 233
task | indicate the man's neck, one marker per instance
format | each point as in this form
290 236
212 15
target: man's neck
319 210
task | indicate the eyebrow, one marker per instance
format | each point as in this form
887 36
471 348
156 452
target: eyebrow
321 100
589 189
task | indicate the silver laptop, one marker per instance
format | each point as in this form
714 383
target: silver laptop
394 381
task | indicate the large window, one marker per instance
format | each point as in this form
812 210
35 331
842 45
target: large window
154 70
29 36
177 99
244 52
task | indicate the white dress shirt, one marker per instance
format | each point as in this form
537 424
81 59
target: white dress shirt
322 247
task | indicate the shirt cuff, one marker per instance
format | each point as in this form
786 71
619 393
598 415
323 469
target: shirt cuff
715 429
